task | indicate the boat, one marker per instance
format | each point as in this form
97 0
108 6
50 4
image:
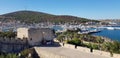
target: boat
110 28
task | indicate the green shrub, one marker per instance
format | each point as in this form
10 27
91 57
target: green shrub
75 41
9 56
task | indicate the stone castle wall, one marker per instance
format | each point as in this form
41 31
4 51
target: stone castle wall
22 32
87 50
35 35
9 45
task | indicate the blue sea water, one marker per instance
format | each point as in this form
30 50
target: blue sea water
112 34
57 28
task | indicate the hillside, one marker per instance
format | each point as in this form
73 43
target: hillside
33 16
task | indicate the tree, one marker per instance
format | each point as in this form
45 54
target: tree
9 56
60 38
108 46
116 47
75 41
8 34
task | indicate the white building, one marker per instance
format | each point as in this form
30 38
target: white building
36 36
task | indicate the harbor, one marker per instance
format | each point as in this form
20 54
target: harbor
108 32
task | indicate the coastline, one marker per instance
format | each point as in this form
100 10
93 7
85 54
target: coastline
112 35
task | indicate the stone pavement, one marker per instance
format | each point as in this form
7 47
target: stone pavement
68 53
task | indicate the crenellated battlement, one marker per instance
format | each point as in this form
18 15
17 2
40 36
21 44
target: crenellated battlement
9 45
13 40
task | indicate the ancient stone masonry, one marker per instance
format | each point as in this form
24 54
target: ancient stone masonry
11 45
36 36
26 37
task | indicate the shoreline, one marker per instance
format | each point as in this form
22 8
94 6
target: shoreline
112 35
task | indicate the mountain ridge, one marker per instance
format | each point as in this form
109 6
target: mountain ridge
36 17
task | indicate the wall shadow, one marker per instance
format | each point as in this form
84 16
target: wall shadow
55 44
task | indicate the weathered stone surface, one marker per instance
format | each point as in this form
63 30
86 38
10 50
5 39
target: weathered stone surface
62 52
35 35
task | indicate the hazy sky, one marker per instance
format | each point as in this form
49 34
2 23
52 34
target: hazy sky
93 9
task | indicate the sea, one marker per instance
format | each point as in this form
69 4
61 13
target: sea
112 34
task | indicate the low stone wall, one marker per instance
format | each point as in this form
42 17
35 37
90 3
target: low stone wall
87 50
102 53
46 54
12 45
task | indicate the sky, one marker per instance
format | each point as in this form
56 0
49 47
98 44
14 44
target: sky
92 9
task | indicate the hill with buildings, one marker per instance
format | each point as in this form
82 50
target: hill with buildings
36 17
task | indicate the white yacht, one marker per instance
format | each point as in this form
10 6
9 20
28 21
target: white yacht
110 28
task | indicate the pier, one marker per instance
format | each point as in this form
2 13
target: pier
111 28
89 31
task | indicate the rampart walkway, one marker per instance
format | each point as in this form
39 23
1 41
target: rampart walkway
62 52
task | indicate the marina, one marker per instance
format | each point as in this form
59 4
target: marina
110 28
112 34
109 32
60 29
